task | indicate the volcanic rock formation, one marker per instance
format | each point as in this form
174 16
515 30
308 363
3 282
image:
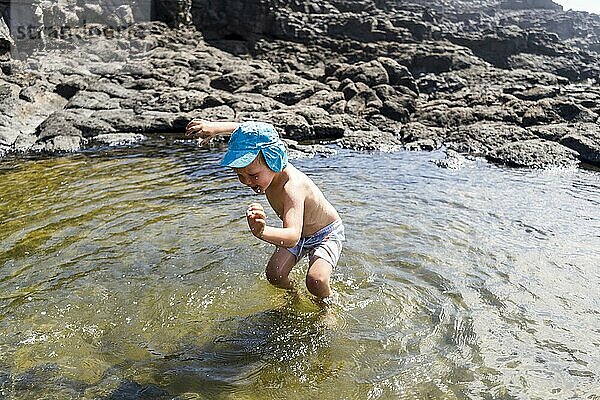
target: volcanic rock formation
516 81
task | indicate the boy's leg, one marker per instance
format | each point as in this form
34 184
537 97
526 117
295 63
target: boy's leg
279 266
317 278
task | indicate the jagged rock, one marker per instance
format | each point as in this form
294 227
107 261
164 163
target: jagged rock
223 113
8 99
60 144
361 99
289 93
415 135
398 75
363 29
338 107
529 4
61 123
382 122
348 88
553 132
424 144
173 12
69 88
296 150
307 123
370 140
466 74
324 125
122 16
572 67
112 89
371 73
423 63
537 93
23 143
435 83
323 98
8 137
534 153
6 41
548 111
118 139
481 138
538 114
234 19
234 81
508 41
446 115
495 47
250 103
92 101
453 160
93 126
585 140
147 84
294 126
29 93
396 105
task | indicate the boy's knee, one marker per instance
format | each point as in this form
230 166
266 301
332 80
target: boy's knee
318 284
275 277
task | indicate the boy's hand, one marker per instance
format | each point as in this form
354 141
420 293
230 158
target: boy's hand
200 128
207 130
256 219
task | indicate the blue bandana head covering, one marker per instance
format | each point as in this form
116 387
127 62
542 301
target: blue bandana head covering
251 138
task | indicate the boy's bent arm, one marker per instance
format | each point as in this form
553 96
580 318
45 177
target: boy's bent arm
293 217
220 127
284 237
209 129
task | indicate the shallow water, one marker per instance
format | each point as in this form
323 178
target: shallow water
131 273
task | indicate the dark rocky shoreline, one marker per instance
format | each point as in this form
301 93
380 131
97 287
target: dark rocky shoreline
515 81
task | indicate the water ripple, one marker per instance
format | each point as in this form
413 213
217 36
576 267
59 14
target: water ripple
136 267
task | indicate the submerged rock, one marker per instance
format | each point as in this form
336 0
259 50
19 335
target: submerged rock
119 139
453 160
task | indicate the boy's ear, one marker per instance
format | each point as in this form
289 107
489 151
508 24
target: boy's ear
260 157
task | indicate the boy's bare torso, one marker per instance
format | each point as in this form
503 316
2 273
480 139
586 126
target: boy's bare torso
318 212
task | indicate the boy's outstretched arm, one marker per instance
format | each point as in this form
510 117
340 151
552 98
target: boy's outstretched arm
288 236
209 129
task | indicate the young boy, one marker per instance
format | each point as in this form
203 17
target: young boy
311 226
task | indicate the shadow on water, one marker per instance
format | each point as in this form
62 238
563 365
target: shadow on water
242 353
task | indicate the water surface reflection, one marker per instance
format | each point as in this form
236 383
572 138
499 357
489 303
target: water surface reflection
131 274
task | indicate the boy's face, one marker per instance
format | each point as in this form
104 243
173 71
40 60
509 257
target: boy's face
257 175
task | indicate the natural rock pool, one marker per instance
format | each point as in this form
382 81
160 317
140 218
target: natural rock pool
131 273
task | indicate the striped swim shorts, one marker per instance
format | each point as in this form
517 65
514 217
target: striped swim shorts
325 243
